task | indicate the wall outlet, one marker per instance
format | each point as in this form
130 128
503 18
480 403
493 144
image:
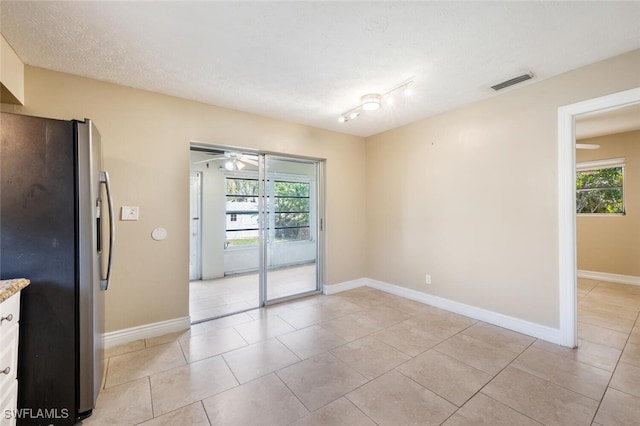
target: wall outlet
129 213
427 279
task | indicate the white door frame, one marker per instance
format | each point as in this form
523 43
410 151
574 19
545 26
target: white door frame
567 260
195 273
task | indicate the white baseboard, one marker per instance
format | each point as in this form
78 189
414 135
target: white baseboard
521 326
344 286
128 335
612 278
549 334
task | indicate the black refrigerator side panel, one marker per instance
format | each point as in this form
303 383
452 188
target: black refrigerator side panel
38 228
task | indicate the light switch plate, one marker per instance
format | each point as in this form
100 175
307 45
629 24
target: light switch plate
129 213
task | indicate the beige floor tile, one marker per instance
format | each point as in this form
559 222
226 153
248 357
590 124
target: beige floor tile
311 341
600 335
618 409
409 306
320 380
338 306
185 385
123 349
192 415
576 376
370 357
269 311
305 302
595 305
451 379
484 411
409 339
606 320
617 296
631 354
235 292
476 353
224 322
629 291
265 401
211 343
385 316
590 353
540 400
352 326
393 399
261 358
499 337
167 338
217 311
627 379
635 335
586 284
626 289
441 323
366 297
302 318
263 328
134 365
339 412
125 404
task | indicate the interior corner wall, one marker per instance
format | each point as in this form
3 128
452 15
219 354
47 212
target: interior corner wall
470 196
146 138
611 244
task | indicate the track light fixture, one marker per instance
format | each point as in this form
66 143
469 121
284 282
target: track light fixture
373 101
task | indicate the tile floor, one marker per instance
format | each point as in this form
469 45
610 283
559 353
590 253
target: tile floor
364 357
236 293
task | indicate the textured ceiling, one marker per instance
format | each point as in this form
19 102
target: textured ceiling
307 62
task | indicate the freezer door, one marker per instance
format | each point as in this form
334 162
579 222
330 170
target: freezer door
38 210
91 298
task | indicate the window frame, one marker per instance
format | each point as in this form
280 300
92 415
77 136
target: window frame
593 165
270 182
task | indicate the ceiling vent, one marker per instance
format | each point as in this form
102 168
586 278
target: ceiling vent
514 80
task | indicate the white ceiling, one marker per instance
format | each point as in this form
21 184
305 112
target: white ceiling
618 120
307 62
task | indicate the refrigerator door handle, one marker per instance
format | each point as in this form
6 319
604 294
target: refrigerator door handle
104 282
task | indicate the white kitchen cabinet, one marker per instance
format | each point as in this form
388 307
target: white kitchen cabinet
9 330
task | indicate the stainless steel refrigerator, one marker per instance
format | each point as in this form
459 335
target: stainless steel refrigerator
56 229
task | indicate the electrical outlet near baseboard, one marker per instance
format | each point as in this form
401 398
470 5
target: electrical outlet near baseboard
427 279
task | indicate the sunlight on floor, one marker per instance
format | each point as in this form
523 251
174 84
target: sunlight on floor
236 293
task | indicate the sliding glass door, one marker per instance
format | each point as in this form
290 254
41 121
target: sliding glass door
260 230
291 228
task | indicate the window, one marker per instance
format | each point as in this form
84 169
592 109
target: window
290 205
599 187
291 211
242 212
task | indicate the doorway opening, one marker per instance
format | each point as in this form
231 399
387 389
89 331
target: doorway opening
567 202
258 225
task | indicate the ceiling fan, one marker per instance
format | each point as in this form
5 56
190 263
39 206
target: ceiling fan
232 160
587 146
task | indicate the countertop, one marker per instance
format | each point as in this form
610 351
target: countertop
10 287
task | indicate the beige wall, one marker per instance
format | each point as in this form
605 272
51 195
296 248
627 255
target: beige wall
11 74
470 196
146 149
612 244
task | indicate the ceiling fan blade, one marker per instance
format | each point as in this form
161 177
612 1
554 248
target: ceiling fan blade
209 160
587 146
248 160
